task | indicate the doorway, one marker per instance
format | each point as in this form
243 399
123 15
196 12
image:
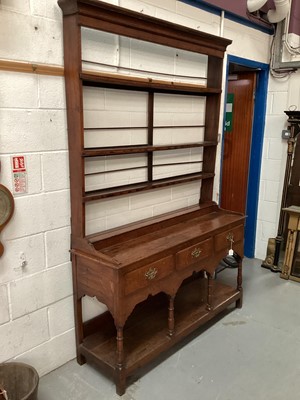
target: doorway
237 139
246 94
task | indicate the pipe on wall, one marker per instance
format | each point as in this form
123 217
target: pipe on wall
274 16
254 5
222 18
281 11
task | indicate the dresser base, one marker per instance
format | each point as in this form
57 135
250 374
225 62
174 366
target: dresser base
146 331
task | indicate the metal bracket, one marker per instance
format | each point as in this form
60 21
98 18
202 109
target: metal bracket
276 63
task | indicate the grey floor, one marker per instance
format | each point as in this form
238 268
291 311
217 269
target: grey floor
249 354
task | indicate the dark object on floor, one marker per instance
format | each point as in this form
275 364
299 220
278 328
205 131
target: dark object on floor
18 381
230 261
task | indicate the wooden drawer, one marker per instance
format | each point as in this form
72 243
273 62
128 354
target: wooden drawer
193 254
148 274
222 241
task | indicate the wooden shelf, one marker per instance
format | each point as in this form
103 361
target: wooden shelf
107 151
139 187
135 83
146 333
116 128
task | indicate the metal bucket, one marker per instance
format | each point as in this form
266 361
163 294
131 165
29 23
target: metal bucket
18 381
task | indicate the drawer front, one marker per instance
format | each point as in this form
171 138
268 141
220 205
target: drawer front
193 254
148 274
222 240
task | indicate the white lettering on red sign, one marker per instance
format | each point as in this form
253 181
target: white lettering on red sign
19 164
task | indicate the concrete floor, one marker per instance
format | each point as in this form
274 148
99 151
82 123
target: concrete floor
248 354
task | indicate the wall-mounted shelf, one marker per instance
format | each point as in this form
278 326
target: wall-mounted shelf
139 187
106 151
136 83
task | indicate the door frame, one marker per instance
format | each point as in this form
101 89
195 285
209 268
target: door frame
256 149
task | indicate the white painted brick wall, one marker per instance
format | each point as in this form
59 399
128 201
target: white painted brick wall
247 42
37 291
91 307
39 213
23 334
61 318
51 93
51 354
55 171
36 317
206 21
33 123
112 221
33 248
16 6
189 21
57 244
30 130
273 164
45 8
39 37
4 306
12 96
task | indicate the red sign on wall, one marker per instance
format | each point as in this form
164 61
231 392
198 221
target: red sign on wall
19 174
19 164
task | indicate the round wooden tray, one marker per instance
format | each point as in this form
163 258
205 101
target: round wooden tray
6 209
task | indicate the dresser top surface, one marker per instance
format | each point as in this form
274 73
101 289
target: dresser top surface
169 238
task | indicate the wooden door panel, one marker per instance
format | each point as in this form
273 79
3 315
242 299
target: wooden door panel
237 144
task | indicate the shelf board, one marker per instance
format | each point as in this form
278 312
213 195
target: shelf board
116 128
102 79
139 187
107 151
145 333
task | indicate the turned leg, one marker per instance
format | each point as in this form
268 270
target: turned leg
171 320
120 372
209 291
239 302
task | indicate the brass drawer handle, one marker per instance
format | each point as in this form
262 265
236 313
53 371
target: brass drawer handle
230 237
196 253
151 274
